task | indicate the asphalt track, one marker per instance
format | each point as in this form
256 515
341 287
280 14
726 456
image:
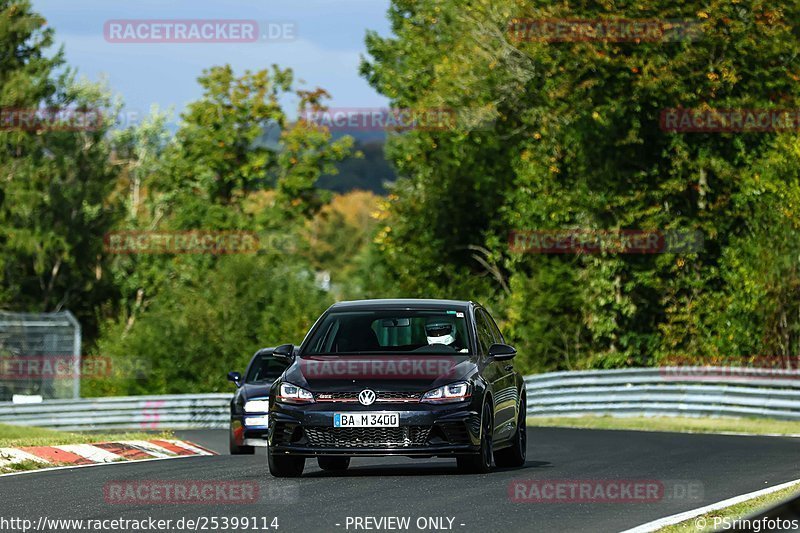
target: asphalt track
720 466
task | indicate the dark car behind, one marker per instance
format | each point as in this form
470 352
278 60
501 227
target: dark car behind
249 406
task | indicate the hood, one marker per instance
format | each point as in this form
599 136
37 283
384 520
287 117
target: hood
401 373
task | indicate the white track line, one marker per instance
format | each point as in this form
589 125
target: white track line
680 517
685 432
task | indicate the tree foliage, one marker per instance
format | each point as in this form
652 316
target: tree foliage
55 179
577 143
545 135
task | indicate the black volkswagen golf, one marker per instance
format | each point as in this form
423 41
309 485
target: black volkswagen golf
417 378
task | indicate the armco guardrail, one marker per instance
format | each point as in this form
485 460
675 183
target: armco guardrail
667 391
174 411
672 391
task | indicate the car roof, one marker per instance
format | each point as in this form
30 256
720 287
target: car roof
403 303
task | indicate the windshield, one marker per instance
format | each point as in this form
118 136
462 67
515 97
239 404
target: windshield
418 331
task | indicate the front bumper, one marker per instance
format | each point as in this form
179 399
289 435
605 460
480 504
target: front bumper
425 430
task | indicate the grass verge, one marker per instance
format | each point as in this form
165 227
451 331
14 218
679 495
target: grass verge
17 436
724 518
750 426
21 436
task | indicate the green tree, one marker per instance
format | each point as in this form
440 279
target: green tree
194 333
189 318
577 143
55 177
757 314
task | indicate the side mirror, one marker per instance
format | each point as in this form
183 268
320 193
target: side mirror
502 352
284 352
236 378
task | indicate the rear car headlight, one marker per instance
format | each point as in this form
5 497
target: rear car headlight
455 392
293 394
256 406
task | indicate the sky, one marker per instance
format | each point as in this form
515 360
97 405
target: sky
323 45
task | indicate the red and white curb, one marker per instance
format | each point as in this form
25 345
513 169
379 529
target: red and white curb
101 452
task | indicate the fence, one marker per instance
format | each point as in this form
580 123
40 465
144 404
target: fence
174 411
31 345
677 391
667 391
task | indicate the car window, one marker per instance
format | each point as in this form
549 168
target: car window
485 337
406 330
265 370
322 341
498 337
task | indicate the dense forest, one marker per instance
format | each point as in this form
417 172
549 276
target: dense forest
564 135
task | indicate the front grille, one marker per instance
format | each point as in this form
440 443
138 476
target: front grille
402 436
382 397
337 396
398 396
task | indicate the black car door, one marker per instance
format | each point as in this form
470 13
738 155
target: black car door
505 390
493 373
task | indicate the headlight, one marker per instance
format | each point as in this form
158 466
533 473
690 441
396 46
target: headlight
293 394
256 420
455 392
256 406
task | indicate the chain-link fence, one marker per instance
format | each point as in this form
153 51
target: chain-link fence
39 355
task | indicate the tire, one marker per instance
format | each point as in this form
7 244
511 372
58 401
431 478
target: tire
235 449
514 455
481 462
333 464
285 465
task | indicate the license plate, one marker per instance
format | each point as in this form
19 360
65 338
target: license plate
366 420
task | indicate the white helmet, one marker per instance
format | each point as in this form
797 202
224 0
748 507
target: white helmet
440 331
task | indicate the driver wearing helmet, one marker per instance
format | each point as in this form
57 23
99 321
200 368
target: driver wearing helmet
442 330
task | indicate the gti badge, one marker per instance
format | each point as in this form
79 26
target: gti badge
366 397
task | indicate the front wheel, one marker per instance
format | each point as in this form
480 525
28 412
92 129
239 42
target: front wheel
514 455
285 465
481 462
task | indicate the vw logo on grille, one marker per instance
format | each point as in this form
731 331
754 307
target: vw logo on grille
366 397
